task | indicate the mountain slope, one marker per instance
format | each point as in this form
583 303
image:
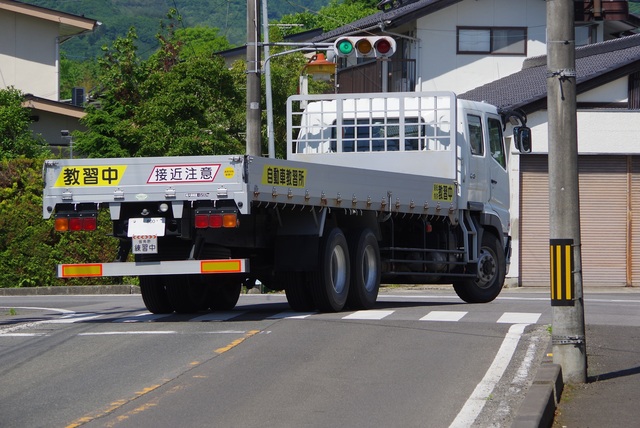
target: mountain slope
117 16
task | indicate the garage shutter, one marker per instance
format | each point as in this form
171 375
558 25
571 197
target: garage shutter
635 221
534 221
603 220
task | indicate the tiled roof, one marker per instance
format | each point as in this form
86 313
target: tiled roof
406 11
597 63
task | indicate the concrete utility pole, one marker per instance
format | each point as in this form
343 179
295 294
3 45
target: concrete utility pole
253 79
569 345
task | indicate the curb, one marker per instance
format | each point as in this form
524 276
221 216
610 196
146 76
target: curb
539 406
71 290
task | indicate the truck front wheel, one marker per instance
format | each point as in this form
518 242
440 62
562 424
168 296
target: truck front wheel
491 270
330 286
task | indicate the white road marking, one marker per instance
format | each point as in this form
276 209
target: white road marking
368 315
115 333
21 334
481 393
519 318
444 316
290 315
72 319
143 317
35 308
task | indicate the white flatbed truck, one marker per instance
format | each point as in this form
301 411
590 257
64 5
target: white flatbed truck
385 187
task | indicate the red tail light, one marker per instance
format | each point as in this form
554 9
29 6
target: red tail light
76 222
216 221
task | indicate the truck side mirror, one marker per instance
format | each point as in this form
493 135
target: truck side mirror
522 138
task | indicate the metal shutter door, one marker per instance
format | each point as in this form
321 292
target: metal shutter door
603 220
635 221
534 220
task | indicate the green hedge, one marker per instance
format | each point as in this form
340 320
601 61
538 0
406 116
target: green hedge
30 249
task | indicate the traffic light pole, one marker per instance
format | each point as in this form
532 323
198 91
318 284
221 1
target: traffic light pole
568 337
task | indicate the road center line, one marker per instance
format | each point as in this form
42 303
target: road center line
479 396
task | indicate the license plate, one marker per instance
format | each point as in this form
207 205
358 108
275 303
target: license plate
146 226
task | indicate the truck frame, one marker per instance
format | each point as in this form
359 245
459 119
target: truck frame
376 188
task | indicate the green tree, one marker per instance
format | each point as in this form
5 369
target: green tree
166 105
15 137
336 14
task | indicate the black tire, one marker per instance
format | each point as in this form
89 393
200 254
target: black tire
154 295
489 280
297 290
187 295
330 284
223 295
365 269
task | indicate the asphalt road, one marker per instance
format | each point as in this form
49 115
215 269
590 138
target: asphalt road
419 359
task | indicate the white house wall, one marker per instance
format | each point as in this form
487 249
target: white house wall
442 69
616 91
28 55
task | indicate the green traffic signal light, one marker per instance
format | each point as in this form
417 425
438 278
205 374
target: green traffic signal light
345 47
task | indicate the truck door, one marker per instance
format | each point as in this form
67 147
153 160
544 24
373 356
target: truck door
488 176
499 175
478 174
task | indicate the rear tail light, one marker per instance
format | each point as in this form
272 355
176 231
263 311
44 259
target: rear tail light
216 221
76 222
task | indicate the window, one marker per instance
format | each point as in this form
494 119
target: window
495 142
586 34
475 135
376 135
492 40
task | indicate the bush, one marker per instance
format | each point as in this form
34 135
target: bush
30 250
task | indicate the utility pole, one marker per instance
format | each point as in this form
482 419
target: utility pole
569 344
254 146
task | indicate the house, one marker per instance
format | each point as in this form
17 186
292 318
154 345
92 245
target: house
30 39
608 126
494 51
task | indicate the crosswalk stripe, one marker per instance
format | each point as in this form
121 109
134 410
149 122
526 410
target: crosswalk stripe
143 317
72 320
368 315
519 318
290 315
444 316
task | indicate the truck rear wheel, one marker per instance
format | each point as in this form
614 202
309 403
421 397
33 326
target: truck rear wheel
330 286
223 293
154 295
187 295
491 270
297 291
365 269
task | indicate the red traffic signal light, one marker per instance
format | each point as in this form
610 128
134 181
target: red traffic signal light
365 47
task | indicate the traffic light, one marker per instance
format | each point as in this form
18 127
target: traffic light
365 47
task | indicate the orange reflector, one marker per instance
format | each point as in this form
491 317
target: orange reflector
213 266
62 224
229 220
81 270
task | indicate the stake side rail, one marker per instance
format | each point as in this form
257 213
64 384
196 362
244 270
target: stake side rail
244 180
